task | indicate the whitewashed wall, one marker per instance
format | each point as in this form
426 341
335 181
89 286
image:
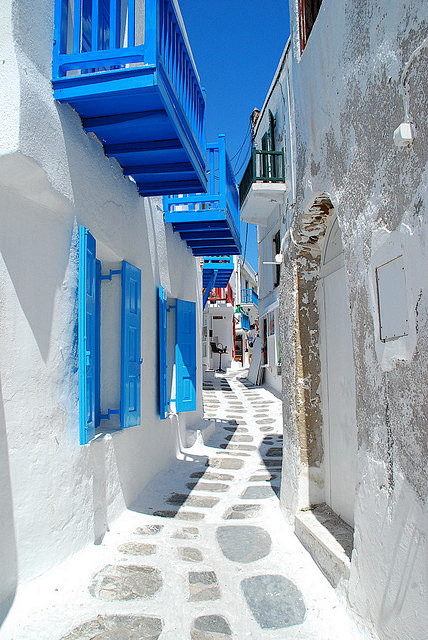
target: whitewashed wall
363 72
57 496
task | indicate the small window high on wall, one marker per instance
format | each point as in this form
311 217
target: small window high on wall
308 14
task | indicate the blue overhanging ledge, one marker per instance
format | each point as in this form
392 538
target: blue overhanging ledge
126 67
209 222
216 273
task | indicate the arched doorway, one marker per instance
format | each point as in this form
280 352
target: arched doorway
338 378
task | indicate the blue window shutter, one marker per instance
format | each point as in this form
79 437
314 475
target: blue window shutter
185 356
98 343
130 378
87 340
162 350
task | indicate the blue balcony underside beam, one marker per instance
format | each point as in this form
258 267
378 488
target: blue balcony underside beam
227 245
214 234
212 278
213 251
155 117
173 187
139 147
144 169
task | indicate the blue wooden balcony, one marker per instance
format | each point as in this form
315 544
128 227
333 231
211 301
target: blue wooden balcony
216 273
209 222
221 268
126 67
249 296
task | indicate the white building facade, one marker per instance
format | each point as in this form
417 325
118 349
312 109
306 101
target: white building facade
72 224
348 102
228 315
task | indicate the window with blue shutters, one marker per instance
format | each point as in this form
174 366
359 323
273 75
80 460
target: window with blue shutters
91 283
88 336
130 378
185 356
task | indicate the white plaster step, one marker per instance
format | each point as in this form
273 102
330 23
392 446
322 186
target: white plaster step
328 539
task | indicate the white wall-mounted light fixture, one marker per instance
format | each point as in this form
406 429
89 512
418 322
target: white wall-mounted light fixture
403 135
278 259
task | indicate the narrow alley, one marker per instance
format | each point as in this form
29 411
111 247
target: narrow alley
203 555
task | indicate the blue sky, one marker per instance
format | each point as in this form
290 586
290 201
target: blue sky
237 45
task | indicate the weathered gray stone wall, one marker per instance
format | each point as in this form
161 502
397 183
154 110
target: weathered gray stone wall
362 73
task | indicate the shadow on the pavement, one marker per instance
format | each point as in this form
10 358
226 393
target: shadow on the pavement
271 453
171 494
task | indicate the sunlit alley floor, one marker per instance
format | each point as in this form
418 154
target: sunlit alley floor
204 555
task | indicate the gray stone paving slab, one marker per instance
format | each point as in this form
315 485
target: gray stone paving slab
192 501
238 447
274 452
209 475
189 554
244 544
210 628
242 511
203 585
241 454
190 516
275 601
257 493
117 628
215 487
225 463
260 477
162 513
117 582
149 530
137 549
273 462
239 438
264 421
186 533
266 429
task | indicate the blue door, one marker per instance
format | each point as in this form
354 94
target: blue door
130 379
162 352
185 356
88 336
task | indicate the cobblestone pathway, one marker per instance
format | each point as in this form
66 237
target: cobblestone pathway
205 554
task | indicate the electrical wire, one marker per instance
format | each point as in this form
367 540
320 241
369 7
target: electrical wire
245 160
243 143
245 245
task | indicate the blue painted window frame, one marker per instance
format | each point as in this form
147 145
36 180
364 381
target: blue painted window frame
130 368
163 353
185 356
88 336
89 341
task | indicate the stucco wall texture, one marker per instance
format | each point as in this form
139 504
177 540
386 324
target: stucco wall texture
362 73
57 496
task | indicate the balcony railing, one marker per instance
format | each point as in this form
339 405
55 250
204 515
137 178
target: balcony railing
221 294
248 296
209 222
126 67
264 166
